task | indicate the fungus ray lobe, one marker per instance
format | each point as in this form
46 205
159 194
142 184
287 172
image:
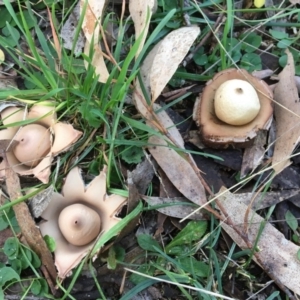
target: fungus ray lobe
79 224
34 143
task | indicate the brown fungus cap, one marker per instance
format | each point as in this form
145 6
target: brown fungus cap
218 134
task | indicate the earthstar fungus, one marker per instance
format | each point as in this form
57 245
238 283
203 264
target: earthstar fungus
233 106
75 218
38 141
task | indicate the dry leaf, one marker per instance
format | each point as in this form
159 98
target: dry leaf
178 169
262 74
287 117
178 166
264 200
138 96
91 28
295 1
254 155
39 202
275 251
175 207
2 57
68 31
141 12
160 65
169 125
6 83
92 18
169 55
143 174
97 61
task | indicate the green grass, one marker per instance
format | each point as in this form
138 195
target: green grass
114 134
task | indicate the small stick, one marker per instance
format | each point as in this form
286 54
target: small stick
186 3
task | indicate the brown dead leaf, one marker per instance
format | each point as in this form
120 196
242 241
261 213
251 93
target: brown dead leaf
39 202
57 44
276 253
143 174
138 97
178 169
178 207
294 1
141 12
264 200
254 155
91 28
178 166
169 125
169 55
160 65
287 116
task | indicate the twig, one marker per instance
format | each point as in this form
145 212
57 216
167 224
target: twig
186 3
28 227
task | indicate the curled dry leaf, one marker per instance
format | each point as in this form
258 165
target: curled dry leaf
38 142
169 125
77 217
169 55
141 12
287 115
91 28
160 65
274 250
176 166
138 97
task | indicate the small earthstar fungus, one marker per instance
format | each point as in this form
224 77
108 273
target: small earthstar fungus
75 218
38 141
233 106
